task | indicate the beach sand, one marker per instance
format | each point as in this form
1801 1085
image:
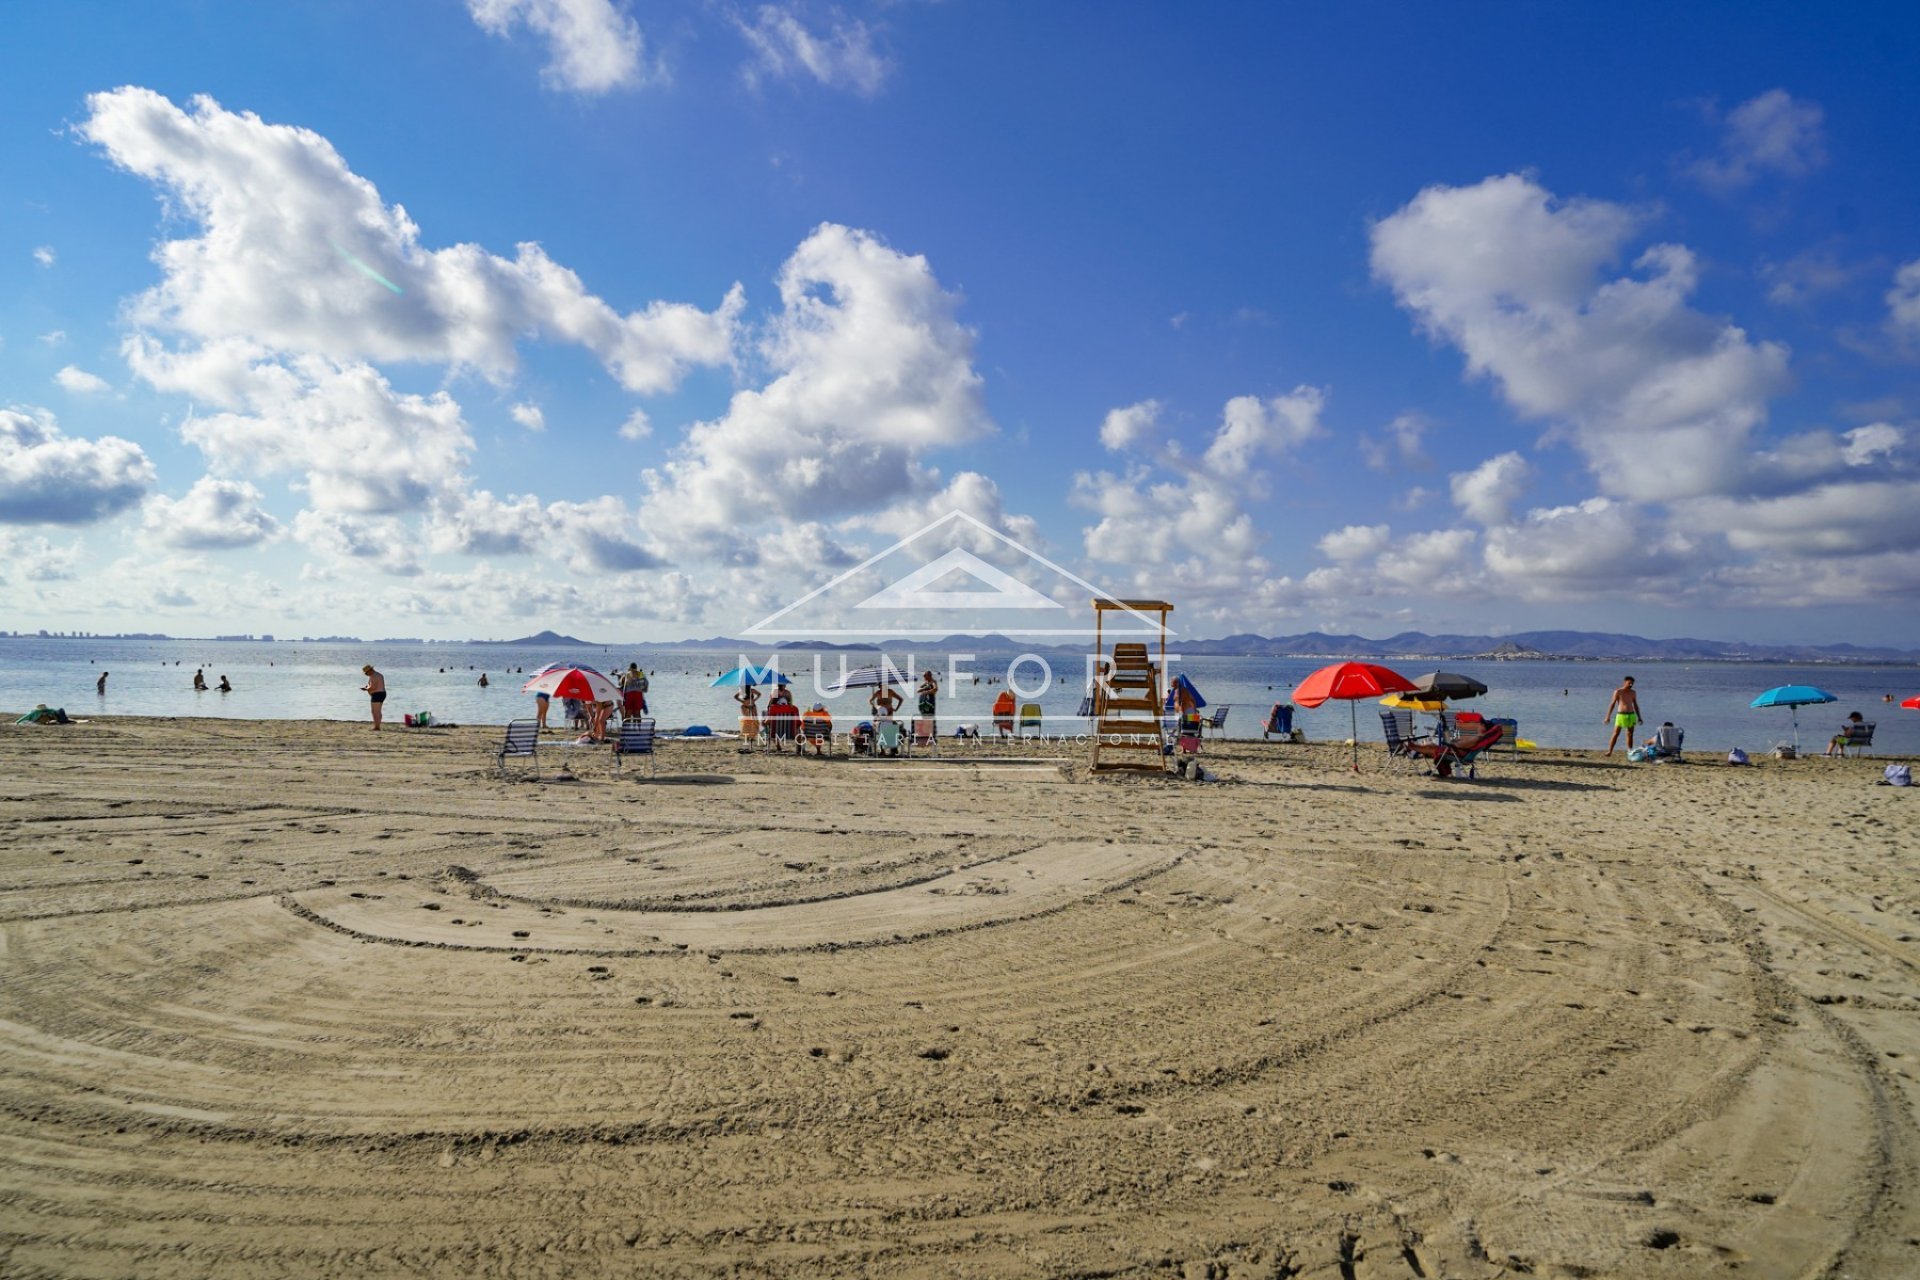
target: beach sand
292 998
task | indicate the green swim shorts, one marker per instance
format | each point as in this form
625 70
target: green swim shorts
1626 720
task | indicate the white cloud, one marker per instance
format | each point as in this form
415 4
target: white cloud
1487 493
1251 428
1355 542
54 338
593 46
44 255
785 49
31 558
637 426
1598 547
362 447
80 382
1866 517
1903 303
1194 510
529 416
215 514
872 372
1401 449
1131 427
1660 398
383 541
47 477
1806 276
1774 133
298 253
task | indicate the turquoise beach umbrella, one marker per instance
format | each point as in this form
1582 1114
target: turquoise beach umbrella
750 675
1794 696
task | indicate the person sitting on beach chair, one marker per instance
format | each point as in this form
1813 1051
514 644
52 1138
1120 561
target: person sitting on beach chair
783 719
816 728
862 738
1003 707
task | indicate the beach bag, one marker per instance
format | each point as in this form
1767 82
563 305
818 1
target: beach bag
1899 775
1784 752
1737 756
1643 753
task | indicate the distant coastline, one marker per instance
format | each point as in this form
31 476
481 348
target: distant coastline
1413 646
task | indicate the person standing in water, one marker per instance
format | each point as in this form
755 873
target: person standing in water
376 691
1624 712
100 685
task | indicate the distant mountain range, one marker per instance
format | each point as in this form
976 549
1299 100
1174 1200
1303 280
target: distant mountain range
1519 646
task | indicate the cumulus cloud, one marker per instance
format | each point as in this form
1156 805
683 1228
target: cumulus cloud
593 47
1661 398
80 382
1131 427
382 541
872 371
529 416
1487 493
214 515
638 426
296 252
47 477
784 48
1596 547
1355 542
362 447
1173 508
1774 133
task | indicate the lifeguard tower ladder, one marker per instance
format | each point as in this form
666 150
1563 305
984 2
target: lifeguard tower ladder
1126 704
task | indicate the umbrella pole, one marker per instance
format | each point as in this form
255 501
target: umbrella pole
1353 713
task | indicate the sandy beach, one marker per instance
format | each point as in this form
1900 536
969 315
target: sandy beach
293 999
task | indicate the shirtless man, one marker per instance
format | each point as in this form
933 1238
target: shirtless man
1624 712
376 690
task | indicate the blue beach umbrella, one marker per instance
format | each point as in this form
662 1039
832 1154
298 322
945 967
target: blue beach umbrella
751 675
1794 696
1173 692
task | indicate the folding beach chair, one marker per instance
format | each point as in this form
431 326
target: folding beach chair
926 733
1216 722
1030 718
1449 757
1397 727
816 731
637 738
1279 721
887 738
522 743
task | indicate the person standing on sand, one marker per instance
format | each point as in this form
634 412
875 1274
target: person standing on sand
376 691
1624 712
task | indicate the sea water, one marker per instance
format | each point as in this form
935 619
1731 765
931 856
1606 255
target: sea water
1557 703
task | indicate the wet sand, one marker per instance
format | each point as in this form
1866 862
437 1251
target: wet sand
290 998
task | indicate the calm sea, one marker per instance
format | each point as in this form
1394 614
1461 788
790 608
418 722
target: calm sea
1558 704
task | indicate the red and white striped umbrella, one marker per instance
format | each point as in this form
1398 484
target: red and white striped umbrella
565 680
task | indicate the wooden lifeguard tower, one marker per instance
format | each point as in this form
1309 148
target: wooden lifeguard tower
1127 725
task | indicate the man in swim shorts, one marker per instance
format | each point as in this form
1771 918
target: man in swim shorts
376 689
1624 712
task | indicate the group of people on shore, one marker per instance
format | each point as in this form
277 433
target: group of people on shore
785 722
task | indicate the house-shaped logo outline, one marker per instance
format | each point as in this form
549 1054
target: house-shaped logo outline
902 593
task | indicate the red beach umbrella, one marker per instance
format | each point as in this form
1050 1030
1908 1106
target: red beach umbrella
1912 703
1349 682
566 680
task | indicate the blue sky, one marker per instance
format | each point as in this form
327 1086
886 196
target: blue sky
1484 318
